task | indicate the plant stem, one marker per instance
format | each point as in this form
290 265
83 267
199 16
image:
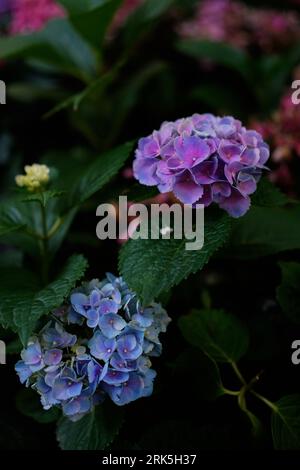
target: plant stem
55 227
231 392
238 373
44 245
267 402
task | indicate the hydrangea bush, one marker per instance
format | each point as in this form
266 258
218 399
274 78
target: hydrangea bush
242 26
204 159
110 354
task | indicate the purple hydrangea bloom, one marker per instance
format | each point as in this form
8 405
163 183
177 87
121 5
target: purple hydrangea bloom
203 159
108 356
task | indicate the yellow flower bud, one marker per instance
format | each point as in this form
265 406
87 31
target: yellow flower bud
36 177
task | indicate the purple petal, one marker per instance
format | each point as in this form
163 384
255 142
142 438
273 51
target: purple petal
204 172
186 190
108 306
230 152
53 357
145 171
92 318
191 150
236 205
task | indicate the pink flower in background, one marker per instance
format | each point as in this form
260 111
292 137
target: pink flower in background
235 23
32 15
217 20
274 30
282 131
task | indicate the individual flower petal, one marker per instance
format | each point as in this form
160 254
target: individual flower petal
236 205
186 190
111 325
101 347
53 357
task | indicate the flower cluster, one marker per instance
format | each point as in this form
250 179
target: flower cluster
203 159
282 132
36 177
111 355
32 15
237 24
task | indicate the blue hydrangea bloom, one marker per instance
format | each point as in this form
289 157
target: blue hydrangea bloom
108 357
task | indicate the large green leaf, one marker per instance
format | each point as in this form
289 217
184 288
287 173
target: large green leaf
268 195
286 423
7 227
22 305
153 266
58 45
265 231
11 220
219 334
94 431
99 173
288 293
92 24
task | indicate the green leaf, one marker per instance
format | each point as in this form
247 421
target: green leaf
7 227
99 173
92 24
286 423
265 231
268 195
288 293
219 334
29 404
43 197
58 44
203 372
220 53
94 431
79 6
143 18
21 305
95 87
153 266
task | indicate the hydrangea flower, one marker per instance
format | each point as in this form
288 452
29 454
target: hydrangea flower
233 22
36 177
108 357
203 159
281 130
32 15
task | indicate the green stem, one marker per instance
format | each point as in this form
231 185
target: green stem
267 402
231 392
238 373
55 227
44 245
